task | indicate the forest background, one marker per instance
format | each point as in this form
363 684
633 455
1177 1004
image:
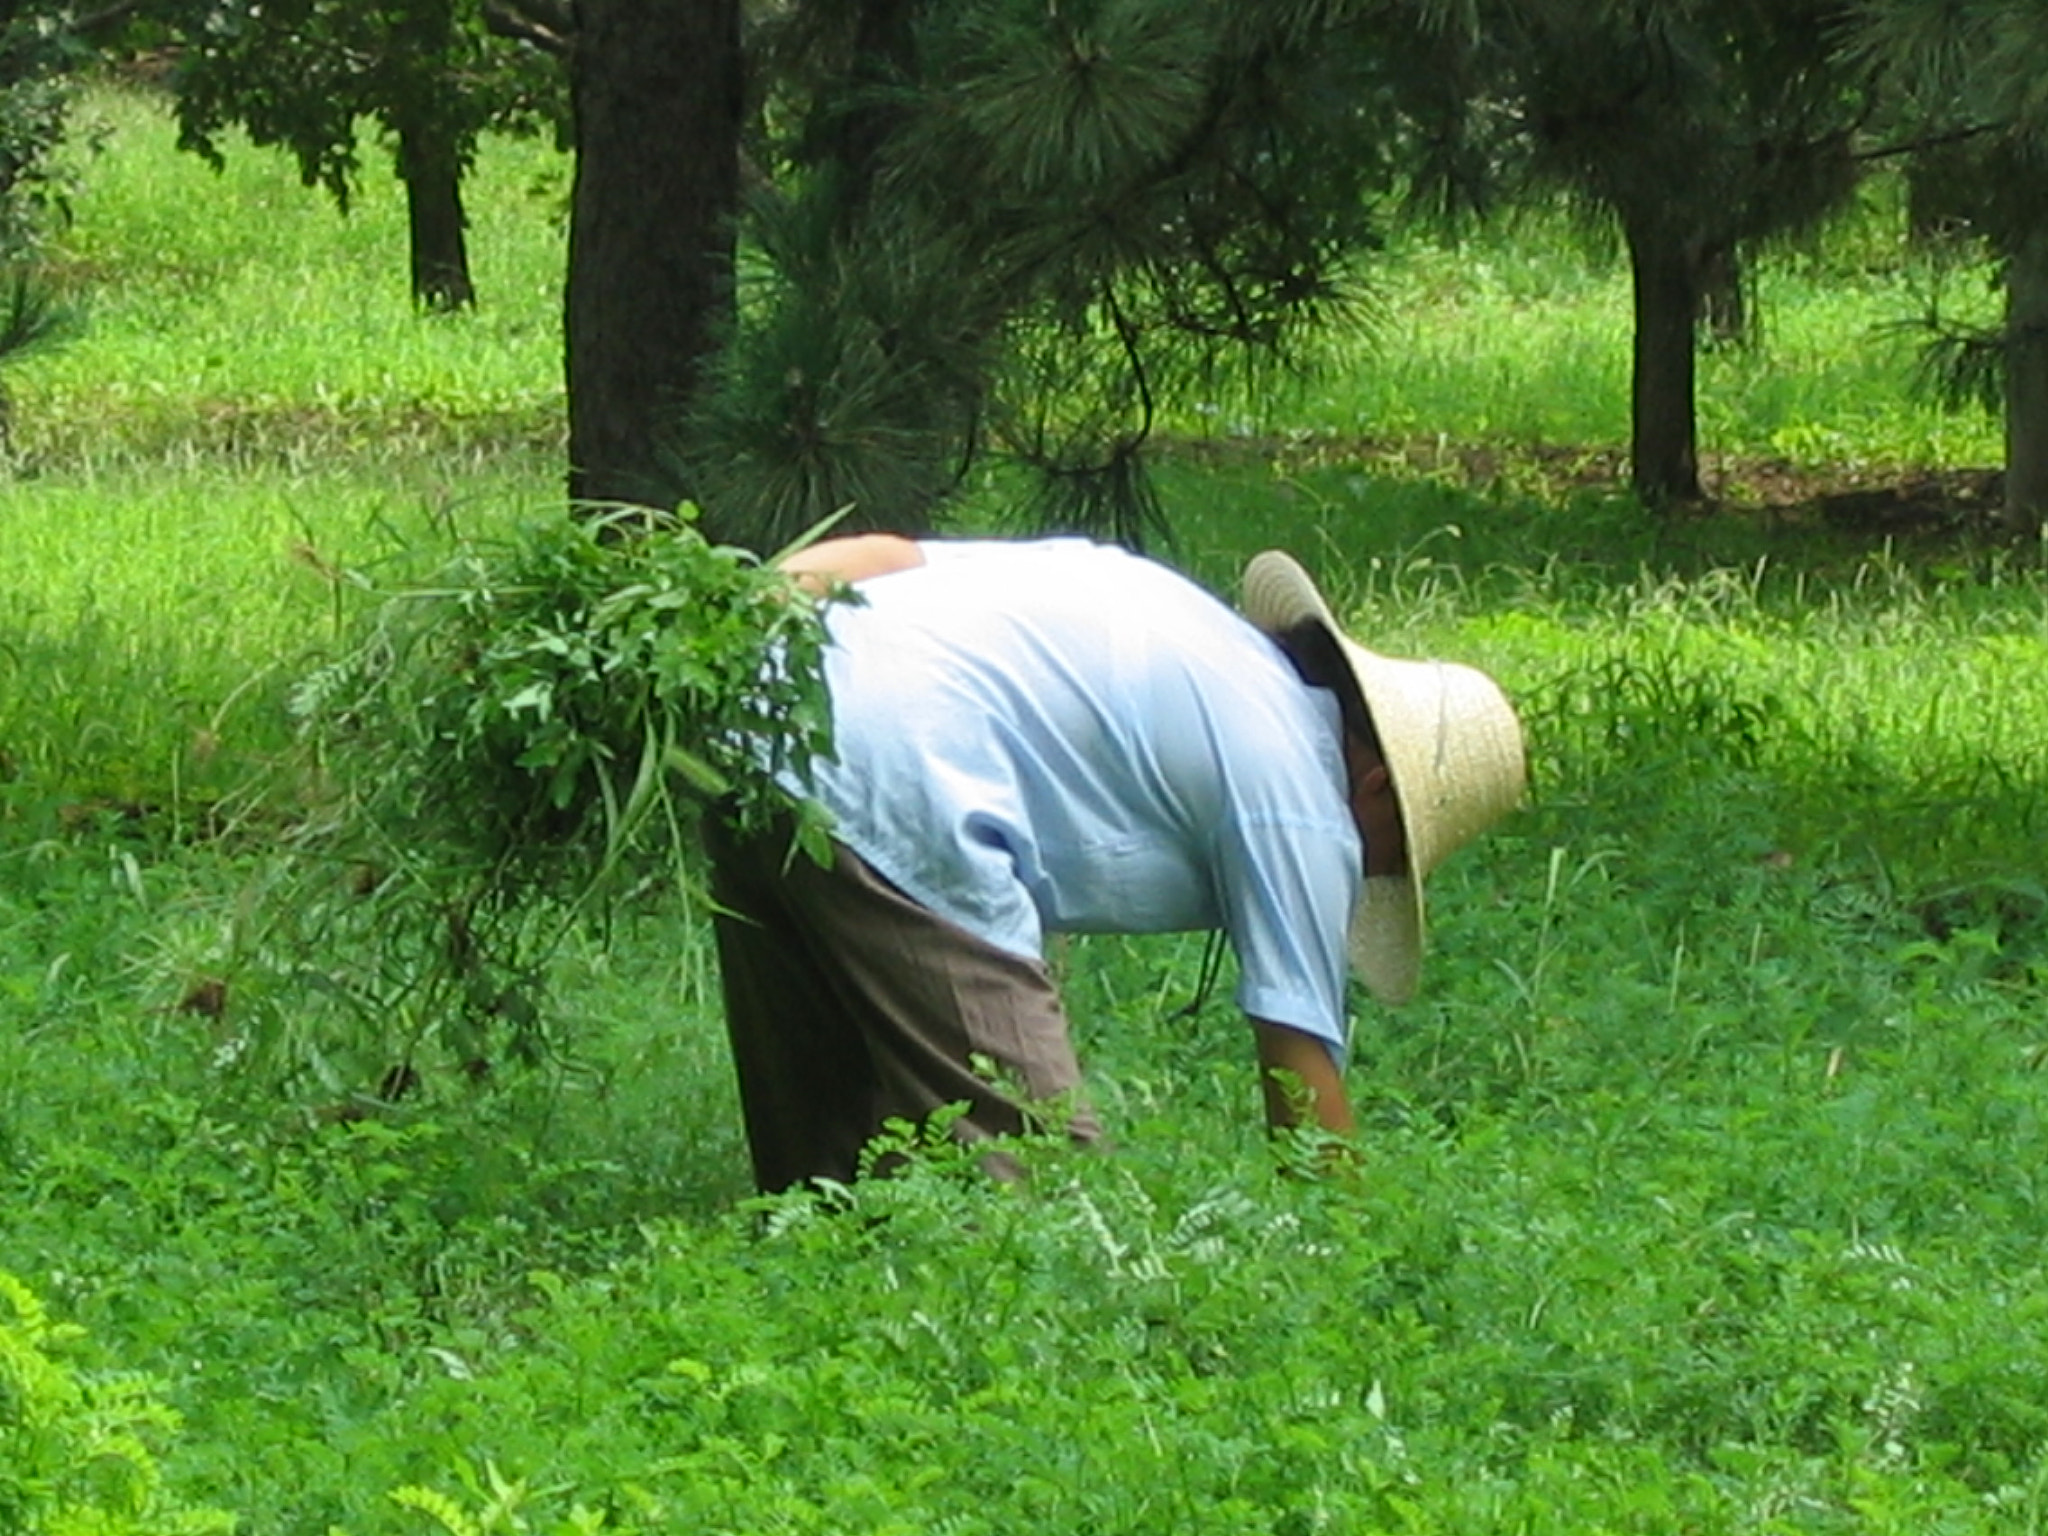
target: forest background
1700 1191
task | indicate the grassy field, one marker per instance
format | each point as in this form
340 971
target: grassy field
1702 1191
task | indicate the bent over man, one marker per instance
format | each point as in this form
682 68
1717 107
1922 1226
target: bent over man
1061 736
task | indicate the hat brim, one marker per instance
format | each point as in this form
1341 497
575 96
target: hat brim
1453 750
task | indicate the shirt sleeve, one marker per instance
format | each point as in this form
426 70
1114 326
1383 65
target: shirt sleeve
1288 883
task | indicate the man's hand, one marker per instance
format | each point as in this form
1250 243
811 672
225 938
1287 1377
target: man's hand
1304 1060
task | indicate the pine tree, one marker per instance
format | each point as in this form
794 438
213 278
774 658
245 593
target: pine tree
310 74
1701 127
657 87
1006 227
1968 77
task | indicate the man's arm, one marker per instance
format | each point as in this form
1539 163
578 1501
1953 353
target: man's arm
857 557
1307 1059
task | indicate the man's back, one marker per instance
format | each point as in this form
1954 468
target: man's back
1061 735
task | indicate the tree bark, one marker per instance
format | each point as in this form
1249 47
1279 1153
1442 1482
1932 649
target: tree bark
1938 208
1664 445
883 56
438 225
1718 273
2026 383
656 88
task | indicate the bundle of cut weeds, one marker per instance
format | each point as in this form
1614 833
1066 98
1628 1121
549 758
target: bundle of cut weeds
510 751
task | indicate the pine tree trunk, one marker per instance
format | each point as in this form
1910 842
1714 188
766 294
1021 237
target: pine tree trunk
656 88
1723 295
433 202
1937 195
2026 383
883 56
1663 449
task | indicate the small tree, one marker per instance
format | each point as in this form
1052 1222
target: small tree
1701 127
1967 75
307 74
40 44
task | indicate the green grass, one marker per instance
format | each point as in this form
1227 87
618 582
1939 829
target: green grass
239 314
250 397
1521 335
1700 1192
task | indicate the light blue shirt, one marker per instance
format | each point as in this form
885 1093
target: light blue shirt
1062 736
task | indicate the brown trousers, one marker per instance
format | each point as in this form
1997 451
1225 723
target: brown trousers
849 1004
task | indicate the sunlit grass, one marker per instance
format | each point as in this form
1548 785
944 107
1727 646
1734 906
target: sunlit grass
152 619
1522 335
241 311
250 422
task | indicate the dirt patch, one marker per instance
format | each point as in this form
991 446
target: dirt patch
1908 502
1884 501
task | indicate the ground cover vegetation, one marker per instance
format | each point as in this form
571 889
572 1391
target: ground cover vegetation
1700 1192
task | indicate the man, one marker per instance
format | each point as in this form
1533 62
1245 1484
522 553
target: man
1063 736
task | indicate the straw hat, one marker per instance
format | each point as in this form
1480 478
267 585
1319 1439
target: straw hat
1453 749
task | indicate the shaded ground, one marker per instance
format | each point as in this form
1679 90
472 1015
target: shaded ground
1887 501
1880 500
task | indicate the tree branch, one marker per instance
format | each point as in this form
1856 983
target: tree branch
104 18
546 24
1932 141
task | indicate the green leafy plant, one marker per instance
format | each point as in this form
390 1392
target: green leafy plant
514 747
77 1453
